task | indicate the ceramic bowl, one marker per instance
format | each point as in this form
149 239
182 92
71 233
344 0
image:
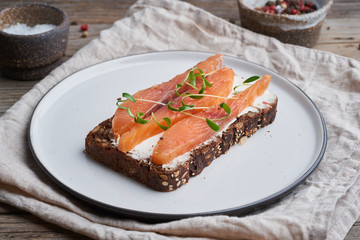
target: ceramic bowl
301 30
32 57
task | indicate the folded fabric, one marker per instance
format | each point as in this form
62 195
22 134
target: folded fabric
325 206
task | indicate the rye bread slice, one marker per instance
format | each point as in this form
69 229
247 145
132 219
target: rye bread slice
99 144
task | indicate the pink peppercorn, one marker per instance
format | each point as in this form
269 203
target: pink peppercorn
293 7
304 9
84 27
294 11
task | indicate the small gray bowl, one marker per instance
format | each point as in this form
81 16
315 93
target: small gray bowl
32 57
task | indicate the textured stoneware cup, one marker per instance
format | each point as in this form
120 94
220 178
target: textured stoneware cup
32 57
301 30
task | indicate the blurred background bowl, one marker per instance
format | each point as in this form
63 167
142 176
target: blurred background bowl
301 30
32 57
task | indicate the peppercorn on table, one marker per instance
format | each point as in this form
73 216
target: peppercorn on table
340 34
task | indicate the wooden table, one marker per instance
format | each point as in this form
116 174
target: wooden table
340 34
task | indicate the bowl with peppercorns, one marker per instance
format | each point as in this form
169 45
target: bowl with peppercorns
290 21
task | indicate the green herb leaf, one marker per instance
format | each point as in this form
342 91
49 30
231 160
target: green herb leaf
200 71
185 107
166 119
192 78
129 96
226 108
251 79
178 86
212 125
194 96
139 118
207 83
172 108
203 87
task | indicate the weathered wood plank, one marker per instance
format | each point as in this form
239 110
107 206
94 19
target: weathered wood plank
17 224
76 41
6 209
348 49
41 236
11 91
344 8
340 36
340 30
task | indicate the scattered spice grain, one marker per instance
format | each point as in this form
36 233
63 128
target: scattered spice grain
84 34
84 27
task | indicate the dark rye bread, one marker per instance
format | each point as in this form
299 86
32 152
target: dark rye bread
99 145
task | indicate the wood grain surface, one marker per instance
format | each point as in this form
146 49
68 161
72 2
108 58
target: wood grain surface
340 34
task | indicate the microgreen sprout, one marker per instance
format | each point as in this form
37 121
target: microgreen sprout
248 80
139 116
166 119
211 122
140 120
212 125
184 107
251 79
190 80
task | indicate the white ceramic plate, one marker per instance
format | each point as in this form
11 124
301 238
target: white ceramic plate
271 163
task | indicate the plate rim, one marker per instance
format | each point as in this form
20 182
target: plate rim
164 217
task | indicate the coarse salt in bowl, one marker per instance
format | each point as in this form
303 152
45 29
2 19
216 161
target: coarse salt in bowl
24 29
33 40
301 29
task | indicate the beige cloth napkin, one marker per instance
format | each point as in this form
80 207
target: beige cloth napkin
324 206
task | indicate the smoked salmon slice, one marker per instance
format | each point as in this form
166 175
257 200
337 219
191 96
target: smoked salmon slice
222 83
188 133
163 92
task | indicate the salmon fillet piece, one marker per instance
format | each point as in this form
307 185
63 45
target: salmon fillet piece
222 83
190 132
163 92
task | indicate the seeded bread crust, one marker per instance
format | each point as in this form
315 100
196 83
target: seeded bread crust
99 145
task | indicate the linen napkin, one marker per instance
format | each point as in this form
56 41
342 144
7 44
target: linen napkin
325 206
